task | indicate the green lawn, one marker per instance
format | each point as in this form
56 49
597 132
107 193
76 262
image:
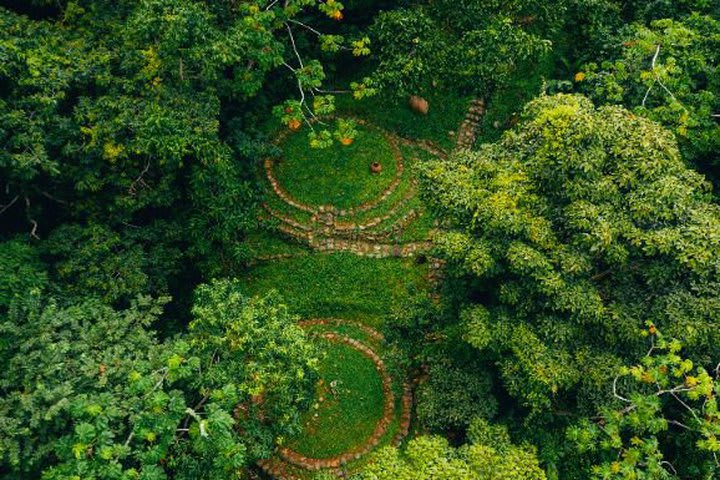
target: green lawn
339 285
348 412
444 116
261 243
338 175
344 285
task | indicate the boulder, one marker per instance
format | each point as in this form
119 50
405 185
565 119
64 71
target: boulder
418 105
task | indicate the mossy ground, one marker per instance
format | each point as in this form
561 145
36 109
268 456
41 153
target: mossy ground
339 285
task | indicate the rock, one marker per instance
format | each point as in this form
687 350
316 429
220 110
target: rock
419 105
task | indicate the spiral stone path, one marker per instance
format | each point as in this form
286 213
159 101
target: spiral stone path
368 229
371 230
290 465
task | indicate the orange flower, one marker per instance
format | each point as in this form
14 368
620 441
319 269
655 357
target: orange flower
579 76
337 15
294 124
346 141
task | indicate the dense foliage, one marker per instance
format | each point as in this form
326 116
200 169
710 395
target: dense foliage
90 391
431 46
631 436
581 224
558 319
489 456
667 71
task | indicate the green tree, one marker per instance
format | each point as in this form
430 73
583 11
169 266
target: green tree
255 346
466 46
576 228
664 423
109 113
22 270
490 456
66 366
95 261
456 384
90 391
667 71
452 396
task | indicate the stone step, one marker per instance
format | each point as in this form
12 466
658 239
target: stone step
467 133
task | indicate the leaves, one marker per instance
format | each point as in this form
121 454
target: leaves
628 435
422 48
666 71
428 457
105 397
574 229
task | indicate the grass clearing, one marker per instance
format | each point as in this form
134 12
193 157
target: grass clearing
339 285
352 404
338 175
445 114
344 285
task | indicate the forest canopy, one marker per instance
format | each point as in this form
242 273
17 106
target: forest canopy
315 239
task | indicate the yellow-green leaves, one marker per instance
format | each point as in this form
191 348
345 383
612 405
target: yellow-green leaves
361 47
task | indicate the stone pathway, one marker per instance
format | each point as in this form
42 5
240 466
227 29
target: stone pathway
467 134
288 461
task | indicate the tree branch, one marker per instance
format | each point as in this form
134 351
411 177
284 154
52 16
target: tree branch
618 396
33 232
131 189
12 202
292 41
51 197
687 407
193 414
648 92
308 27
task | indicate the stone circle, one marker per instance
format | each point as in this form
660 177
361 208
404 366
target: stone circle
286 460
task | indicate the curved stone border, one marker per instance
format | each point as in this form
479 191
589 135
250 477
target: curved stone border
380 429
276 468
426 145
392 141
378 220
327 218
287 459
395 228
337 322
329 229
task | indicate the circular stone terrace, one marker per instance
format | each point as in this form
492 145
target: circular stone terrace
331 199
358 406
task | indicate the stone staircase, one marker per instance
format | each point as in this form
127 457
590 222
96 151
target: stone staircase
467 133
